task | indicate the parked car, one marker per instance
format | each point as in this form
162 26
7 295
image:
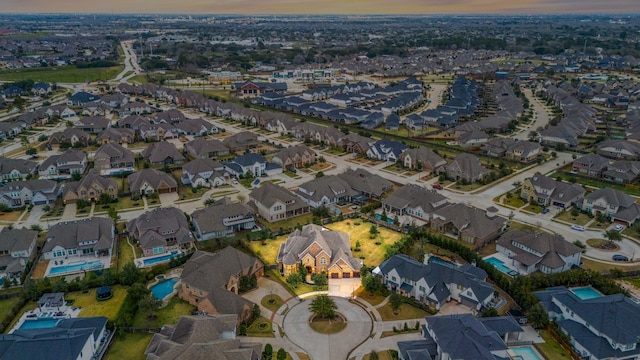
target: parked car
577 227
618 227
618 257
545 210
234 181
437 186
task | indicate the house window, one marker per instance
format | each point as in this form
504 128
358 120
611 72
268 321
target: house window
323 260
421 288
393 278
158 250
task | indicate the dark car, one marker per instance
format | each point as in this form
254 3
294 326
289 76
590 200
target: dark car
437 186
619 257
545 210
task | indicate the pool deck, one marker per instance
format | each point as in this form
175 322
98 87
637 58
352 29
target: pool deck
173 274
505 261
47 312
105 260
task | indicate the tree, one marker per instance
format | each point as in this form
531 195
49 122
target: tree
105 199
319 174
113 214
31 151
373 231
370 283
130 274
60 285
108 278
613 235
357 248
537 316
31 290
281 354
320 279
395 301
323 307
294 279
149 305
373 355
490 312
575 212
267 354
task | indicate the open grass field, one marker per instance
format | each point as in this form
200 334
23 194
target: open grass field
407 312
130 347
166 315
372 251
62 74
92 307
581 219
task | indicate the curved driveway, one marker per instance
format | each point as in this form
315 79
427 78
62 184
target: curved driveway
327 347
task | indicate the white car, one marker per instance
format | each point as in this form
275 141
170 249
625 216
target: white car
618 227
577 227
235 182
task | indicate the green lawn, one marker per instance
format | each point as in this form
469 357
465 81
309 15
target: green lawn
289 223
168 315
596 183
272 302
373 299
372 251
125 252
551 349
514 201
92 307
261 327
269 251
61 74
581 219
301 289
130 347
6 305
536 209
407 312
328 327
186 192
382 355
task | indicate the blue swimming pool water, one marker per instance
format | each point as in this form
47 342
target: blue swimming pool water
586 293
160 259
438 260
41 323
389 220
499 264
162 289
526 353
90 265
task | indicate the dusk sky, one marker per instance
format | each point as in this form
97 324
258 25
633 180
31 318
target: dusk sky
321 6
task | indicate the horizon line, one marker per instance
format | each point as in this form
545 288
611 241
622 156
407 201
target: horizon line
622 13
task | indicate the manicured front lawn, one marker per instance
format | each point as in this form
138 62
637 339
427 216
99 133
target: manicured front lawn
188 192
551 349
536 209
372 251
272 302
130 347
406 312
301 289
166 315
373 299
581 219
261 327
514 201
92 307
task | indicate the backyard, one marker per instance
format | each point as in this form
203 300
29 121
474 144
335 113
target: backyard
372 251
130 347
406 312
92 307
168 314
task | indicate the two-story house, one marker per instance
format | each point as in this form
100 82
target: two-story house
148 181
112 159
468 224
222 219
16 169
162 153
29 192
415 201
274 202
161 231
295 157
63 166
465 167
326 190
204 173
591 165
206 148
89 236
612 203
90 188
547 191
16 250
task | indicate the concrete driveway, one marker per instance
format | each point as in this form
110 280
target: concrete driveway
343 287
327 347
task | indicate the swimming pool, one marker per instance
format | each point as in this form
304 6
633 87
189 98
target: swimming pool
525 353
389 220
586 292
81 266
40 323
438 260
164 288
159 259
499 264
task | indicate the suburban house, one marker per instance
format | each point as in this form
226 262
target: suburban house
523 151
253 88
591 165
117 135
80 98
612 203
147 181
113 159
161 231
70 338
16 250
93 124
211 281
532 251
162 153
222 219
89 188
251 163
29 192
16 169
415 201
206 148
547 191
196 127
465 167
620 149
473 139
622 172
274 202
463 336
468 224
366 184
204 173
422 159
93 235
386 150
435 283
326 190
295 157
70 137
243 140
606 327
318 249
63 166
196 335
